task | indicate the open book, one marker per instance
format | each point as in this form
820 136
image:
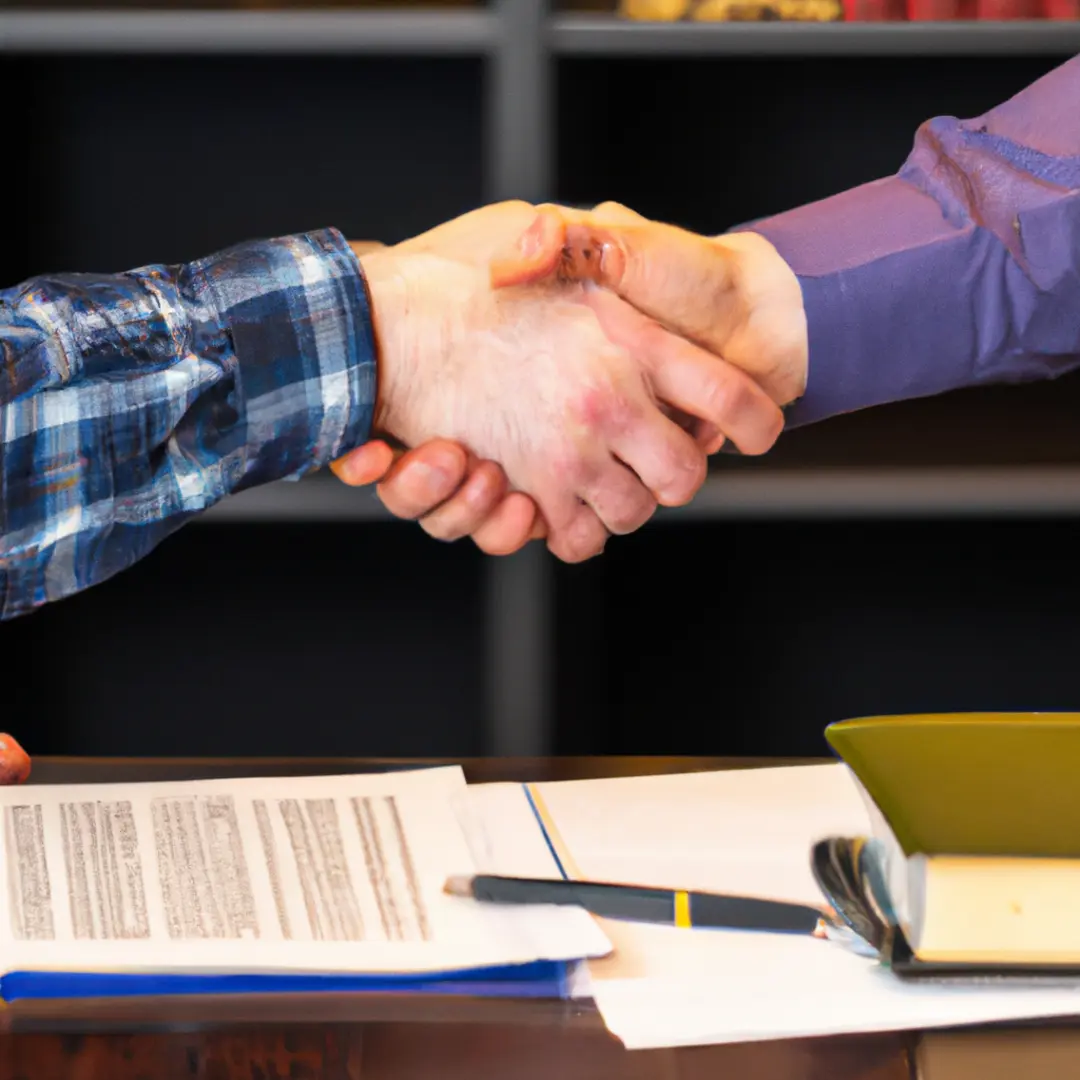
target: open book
329 882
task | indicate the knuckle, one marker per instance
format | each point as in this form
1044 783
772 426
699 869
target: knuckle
604 409
613 209
567 468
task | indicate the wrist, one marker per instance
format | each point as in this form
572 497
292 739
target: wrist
773 333
382 278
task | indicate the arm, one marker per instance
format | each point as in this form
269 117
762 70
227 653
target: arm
130 403
961 270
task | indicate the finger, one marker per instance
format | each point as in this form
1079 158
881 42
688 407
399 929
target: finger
666 459
574 532
628 422
581 537
712 442
366 464
424 478
510 526
692 380
618 498
14 761
705 434
467 509
683 280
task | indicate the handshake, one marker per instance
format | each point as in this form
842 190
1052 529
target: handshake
558 373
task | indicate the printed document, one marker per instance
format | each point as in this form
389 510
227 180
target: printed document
316 874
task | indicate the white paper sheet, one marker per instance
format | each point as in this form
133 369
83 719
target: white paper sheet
320 874
747 831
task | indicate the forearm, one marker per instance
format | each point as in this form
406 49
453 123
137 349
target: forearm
963 269
130 403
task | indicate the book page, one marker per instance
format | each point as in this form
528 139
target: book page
321 874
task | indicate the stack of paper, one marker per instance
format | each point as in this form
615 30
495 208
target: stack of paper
745 832
267 879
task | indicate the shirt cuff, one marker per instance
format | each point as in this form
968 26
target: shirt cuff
295 315
879 268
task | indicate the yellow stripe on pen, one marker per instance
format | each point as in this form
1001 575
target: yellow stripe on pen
682 910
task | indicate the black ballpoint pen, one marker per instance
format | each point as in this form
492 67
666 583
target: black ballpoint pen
634 903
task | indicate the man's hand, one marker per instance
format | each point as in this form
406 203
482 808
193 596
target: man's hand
571 390
732 294
450 493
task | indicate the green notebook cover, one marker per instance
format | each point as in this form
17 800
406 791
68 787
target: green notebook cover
971 783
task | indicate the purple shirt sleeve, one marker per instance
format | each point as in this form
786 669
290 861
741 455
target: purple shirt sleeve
963 269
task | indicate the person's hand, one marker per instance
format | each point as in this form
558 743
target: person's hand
14 761
483 343
733 295
448 491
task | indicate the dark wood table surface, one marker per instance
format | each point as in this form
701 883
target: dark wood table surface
405 1037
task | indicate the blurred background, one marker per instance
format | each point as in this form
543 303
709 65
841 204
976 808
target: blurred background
918 557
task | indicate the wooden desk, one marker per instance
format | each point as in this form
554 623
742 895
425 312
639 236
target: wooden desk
378 1037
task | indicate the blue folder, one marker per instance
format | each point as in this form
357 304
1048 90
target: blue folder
541 979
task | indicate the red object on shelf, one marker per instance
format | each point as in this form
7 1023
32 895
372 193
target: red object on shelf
1002 10
933 10
1061 9
940 10
875 10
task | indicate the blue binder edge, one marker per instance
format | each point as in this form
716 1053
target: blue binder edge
541 979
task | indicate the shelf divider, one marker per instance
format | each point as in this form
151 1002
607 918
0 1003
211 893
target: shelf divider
353 33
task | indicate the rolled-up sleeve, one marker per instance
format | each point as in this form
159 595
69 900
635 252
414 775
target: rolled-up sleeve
962 269
130 403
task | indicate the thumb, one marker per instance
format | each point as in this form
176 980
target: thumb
14 761
686 282
533 255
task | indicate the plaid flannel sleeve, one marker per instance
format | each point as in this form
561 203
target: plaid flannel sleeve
130 403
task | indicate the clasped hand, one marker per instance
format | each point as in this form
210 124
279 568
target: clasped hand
559 373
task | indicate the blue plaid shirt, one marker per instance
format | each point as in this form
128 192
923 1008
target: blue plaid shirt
130 403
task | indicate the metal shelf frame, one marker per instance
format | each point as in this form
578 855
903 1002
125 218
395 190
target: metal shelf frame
495 29
1029 491
520 41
